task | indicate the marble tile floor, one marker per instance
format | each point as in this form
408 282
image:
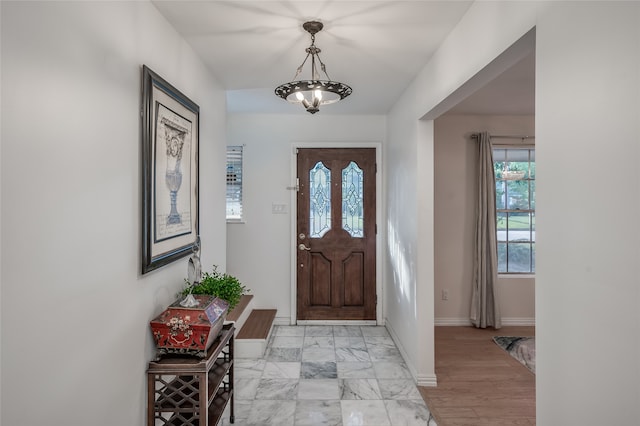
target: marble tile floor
328 375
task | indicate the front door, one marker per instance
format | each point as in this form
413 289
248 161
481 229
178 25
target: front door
336 234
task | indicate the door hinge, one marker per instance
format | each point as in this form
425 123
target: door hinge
376 229
375 167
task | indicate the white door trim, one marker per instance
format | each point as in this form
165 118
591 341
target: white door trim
294 214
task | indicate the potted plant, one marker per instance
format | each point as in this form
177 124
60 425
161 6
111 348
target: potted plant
218 284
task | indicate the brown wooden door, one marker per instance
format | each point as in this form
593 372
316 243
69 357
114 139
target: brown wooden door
336 234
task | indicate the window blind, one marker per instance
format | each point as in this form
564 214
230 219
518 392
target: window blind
234 183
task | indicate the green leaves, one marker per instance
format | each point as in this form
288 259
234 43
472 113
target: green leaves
218 284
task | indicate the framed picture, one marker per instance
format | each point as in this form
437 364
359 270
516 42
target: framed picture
170 133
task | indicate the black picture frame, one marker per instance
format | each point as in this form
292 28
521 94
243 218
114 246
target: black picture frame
170 172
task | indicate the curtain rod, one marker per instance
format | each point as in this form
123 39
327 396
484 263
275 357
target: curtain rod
475 136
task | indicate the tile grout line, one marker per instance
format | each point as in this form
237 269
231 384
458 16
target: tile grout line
375 374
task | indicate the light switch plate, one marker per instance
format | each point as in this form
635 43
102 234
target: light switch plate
279 208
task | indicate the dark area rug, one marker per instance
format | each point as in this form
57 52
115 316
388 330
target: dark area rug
522 349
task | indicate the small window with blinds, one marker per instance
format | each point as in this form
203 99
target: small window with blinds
234 183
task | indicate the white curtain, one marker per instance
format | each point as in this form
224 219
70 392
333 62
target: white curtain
485 310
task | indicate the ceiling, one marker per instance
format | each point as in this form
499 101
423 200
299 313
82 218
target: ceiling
376 47
511 93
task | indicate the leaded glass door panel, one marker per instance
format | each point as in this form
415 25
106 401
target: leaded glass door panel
336 234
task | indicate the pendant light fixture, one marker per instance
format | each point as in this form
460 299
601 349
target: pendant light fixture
313 92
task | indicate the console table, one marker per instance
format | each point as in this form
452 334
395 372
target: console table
191 391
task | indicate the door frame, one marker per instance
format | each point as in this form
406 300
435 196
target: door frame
379 221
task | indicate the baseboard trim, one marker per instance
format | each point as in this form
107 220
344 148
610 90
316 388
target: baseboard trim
336 322
454 322
282 321
428 380
462 322
519 321
287 321
403 352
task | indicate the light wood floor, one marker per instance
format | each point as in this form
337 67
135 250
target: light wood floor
479 384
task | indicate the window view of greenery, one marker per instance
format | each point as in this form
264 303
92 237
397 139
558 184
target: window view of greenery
515 171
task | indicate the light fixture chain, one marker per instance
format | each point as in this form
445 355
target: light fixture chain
299 70
323 67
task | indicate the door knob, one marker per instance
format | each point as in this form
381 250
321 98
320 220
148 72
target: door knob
303 247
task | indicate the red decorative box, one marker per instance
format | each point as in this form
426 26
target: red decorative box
189 330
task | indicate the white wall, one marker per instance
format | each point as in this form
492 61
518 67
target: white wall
587 147
75 309
259 251
587 126
70 229
402 222
470 47
1 303
454 193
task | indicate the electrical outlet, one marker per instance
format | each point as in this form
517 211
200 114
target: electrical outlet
445 294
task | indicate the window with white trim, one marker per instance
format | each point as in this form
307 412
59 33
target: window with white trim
234 183
515 171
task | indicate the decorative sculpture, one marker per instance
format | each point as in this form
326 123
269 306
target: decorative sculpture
194 274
